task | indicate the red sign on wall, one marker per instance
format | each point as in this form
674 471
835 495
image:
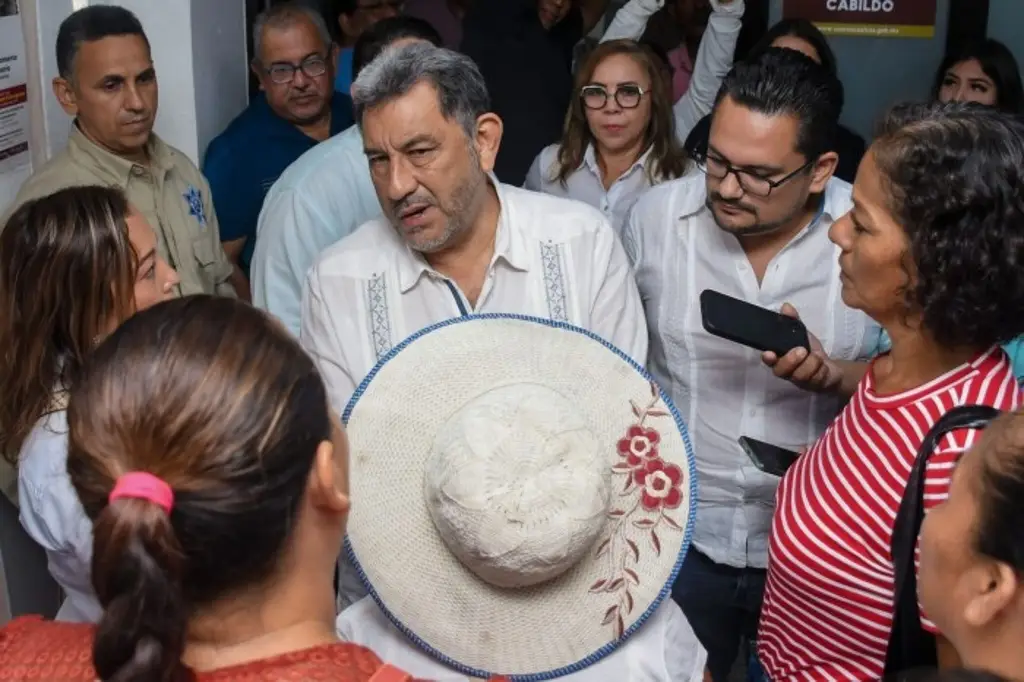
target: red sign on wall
874 18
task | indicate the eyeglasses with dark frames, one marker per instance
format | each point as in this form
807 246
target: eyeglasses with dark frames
752 183
627 96
282 72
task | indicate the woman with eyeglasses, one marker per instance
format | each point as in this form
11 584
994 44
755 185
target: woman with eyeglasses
618 138
622 133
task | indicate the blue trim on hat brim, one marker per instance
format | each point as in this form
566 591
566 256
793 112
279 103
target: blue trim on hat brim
607 649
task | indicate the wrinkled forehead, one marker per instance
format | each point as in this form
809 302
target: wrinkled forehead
412 115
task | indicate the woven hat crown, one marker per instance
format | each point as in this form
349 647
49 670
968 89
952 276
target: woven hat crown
516 485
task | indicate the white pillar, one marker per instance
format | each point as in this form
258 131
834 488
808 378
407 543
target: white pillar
199 51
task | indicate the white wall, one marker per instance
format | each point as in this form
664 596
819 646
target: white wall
199 50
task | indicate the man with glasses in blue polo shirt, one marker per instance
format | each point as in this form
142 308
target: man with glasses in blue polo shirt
296 109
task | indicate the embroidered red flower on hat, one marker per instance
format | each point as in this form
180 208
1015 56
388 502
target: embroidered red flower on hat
661 483
639 446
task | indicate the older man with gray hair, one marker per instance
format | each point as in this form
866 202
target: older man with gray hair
297 109
453 240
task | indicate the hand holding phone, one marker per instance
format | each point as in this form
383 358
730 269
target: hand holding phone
771 459
810 369
751 325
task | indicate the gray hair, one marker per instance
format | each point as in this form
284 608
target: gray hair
461 91
285 16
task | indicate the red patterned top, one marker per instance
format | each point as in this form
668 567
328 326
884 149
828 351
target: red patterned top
33 650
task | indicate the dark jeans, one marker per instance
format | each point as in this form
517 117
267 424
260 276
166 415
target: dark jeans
723 605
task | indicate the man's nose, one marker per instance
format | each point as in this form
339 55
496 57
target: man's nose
729 187
401 180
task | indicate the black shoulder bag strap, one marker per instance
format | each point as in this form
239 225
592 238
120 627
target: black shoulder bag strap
910 646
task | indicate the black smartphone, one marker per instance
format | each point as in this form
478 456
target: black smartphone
751 325
769 458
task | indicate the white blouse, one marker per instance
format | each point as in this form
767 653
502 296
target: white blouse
665 649
52 515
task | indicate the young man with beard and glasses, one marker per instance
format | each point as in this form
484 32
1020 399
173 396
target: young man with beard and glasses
108 84
323 196
297 109
453 240
754 227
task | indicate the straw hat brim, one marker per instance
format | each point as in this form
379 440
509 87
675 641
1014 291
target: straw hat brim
568 623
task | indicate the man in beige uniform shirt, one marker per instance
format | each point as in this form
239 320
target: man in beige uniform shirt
108 84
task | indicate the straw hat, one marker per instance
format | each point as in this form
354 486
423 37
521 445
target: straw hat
524 494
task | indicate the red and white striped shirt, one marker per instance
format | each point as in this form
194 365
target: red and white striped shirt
828 605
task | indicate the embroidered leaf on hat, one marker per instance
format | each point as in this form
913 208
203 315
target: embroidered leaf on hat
619 627
631 574
616 513
656 542
629 602
669 522
636 554
603 547
614 585
597 586
610 614
636 410
643 523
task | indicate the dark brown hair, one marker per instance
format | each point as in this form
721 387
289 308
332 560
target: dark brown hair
67 273
667 160
217 400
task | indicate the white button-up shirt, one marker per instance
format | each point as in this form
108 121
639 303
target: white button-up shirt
665 649
553 258
722 389
585 184
324 196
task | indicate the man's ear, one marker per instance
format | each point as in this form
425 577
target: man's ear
489 129
65 95
822 171
257 71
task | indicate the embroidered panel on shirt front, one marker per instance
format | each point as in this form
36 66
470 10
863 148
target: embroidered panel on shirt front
380 318
554 282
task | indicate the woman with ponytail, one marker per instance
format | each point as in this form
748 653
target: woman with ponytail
203 450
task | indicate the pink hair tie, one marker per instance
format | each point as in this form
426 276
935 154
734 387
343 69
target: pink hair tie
139 485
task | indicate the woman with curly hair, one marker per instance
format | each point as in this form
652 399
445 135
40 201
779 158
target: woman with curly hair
932 251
